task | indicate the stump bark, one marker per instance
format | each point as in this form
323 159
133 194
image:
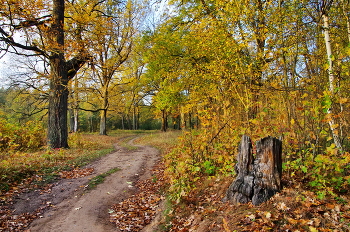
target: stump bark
259 178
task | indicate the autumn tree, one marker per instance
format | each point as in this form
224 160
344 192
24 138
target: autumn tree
252 67
37 28
112 43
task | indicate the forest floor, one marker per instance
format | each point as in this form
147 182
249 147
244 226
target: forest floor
71 205
132 198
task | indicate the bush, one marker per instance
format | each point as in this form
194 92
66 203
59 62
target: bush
29 136
326 174
196 156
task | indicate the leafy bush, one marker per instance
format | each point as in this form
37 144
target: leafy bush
29 136
196 157
326 174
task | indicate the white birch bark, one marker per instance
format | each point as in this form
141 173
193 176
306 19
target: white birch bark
331 77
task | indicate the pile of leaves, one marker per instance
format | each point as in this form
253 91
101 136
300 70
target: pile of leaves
134 213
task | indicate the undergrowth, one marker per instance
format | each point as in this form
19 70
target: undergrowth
17 165
199 156
200 169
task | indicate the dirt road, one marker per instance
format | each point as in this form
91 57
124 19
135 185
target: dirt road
74 209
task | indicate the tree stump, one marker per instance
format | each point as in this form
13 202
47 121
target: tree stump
258 178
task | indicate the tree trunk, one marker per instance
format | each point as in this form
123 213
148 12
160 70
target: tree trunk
267 169
103 130
76 106
123 126
260 178
74 114
129 122
58 97
76 120
138 119
241 190
134 118
164 121
91 124
58 107
71 119
331 77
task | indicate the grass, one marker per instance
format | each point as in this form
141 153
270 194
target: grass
164 141
17 166
46 163
100 178
125 143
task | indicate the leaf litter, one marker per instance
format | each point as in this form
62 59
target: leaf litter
10 220
293 209
134 213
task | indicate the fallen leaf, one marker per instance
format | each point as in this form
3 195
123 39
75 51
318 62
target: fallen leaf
227 229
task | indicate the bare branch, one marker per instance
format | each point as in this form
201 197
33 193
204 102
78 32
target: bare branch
5 37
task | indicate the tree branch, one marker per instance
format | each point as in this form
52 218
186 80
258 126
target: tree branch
10 41
75 64
33 22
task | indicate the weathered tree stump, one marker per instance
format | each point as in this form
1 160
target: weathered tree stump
258 178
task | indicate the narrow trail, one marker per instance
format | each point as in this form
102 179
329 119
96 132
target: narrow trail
77 210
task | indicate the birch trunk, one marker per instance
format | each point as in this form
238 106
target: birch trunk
331 77
76 120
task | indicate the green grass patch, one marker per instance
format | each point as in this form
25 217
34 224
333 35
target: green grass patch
125 143
164 141
100 178
128 135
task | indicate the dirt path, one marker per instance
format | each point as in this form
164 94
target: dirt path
74 209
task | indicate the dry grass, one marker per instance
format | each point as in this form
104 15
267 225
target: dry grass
15 166
164 141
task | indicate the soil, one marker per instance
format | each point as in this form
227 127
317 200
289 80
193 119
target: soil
73 208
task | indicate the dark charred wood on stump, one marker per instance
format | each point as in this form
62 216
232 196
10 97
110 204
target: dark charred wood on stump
260 178
267 169
241 190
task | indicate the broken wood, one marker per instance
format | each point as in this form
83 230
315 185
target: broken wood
259 178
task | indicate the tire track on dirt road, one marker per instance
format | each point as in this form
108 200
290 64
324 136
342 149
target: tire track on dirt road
88 211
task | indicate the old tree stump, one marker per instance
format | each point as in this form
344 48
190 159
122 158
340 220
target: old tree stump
258 178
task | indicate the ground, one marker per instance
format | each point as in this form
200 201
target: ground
68 205
132 199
